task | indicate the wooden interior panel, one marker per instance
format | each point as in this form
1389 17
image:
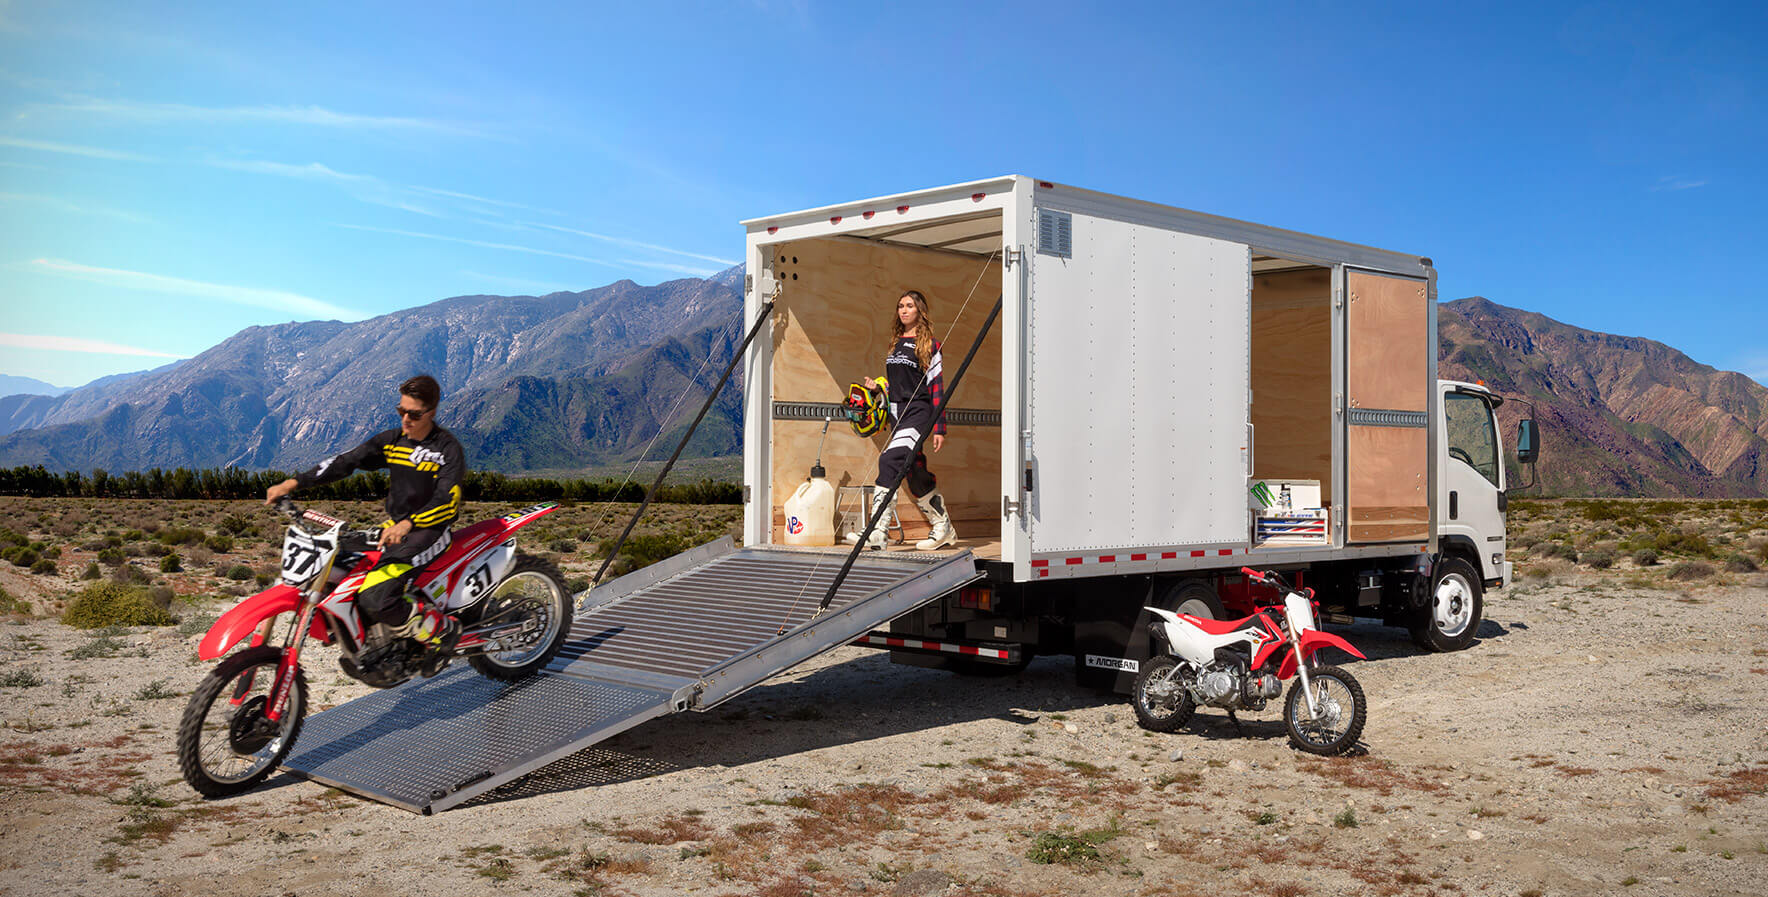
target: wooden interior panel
1388 352
1292 376
1388 494
835 317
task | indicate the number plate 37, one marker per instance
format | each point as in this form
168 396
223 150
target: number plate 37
304 555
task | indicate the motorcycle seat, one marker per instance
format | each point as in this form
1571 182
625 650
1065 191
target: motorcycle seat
1222 627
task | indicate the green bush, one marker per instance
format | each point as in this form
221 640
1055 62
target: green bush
239 573
180 535
235 524
171 563
43 566
92 571
643 551
8 537
113 604
111 556
220 543
53 552
129 574
1740 563
1600 558
24 557
1645 557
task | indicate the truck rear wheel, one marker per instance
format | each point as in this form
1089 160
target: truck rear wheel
1452 612
1195 597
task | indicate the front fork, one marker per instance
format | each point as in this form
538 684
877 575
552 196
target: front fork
1301 669
285 669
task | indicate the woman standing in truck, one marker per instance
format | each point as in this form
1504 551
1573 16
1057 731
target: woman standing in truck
914 372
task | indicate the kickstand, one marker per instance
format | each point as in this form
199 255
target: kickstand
1236 721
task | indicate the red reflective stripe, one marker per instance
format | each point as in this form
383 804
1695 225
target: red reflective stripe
1042 563
1197 554
1226 551
835 219
1168 555
1072 561
1043 573
1138 557
1107 558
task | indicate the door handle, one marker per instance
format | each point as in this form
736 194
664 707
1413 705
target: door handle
1454 505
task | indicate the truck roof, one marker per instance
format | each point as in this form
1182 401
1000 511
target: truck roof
1261 236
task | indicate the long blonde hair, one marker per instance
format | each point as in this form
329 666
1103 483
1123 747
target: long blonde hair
923 327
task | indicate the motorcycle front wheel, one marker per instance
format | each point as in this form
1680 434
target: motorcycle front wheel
1162 702
226 745
1342 712
534 594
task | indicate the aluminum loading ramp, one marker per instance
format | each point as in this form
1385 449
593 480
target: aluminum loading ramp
682 634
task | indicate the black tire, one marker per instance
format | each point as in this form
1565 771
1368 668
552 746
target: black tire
1162 703
1192 596
1338 732
236 749
538 589
1452 611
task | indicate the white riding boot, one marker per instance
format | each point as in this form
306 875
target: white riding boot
876 542
941 534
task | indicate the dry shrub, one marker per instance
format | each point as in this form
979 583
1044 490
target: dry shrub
840 815
1370 773
1740 784
113 604
1548 571
670 831
1687 571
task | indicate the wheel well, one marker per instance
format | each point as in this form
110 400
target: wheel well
1463 548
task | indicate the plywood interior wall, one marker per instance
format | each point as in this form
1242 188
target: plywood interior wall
833 326
1388 484
1292 376
1388 368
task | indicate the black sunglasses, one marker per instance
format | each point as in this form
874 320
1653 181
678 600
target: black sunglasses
414 415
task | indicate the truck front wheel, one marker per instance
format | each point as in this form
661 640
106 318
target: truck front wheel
1452 611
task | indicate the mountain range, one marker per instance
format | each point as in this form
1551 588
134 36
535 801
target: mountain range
570 381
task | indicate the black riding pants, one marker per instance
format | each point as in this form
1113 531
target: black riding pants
381 597
900 454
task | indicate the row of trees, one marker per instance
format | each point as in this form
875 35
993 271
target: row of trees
233 482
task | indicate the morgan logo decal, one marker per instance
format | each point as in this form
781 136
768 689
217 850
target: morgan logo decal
1121 664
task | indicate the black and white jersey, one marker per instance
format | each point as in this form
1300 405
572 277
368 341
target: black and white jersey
902 370
424 476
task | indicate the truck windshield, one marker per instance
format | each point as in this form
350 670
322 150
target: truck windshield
1472 438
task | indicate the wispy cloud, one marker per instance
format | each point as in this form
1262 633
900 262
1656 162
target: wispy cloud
480 243
312 171
66 206
314 116
276 300
635 244
72 149
73 344
484 200
1678 182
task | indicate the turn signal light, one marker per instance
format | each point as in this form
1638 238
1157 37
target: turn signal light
976 598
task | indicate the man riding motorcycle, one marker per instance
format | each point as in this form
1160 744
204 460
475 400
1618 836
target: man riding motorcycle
425 466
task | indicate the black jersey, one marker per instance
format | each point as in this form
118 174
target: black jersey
902 370
425 476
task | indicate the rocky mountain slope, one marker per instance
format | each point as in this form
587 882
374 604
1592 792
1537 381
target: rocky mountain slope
1622 415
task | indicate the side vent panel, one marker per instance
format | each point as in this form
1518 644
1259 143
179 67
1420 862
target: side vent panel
1055 233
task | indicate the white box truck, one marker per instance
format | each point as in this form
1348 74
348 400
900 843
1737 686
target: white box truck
1151 368
1163 398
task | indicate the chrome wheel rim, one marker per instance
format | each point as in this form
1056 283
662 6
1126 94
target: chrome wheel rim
246 694
1161 693
535 596
1338 706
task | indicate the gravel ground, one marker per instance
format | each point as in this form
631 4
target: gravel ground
1600 738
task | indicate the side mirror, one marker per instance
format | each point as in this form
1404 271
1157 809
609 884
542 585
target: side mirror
1528 442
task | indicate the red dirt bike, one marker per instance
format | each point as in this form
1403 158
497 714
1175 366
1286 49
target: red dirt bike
1241 664
514 609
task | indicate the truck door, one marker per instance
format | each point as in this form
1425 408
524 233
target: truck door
1389 381
1471 506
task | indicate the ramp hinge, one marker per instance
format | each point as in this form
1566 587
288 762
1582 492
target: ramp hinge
1011 257
745 493
1009 507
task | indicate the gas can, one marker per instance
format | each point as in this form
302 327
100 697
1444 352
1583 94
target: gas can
810 513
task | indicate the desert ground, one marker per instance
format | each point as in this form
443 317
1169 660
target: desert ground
1607 734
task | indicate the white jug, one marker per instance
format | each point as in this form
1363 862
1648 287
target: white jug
810 513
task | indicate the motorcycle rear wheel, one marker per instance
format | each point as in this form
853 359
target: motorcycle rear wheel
1343 712
1162 702
225 744
535 593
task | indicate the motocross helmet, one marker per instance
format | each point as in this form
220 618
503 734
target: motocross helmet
865 406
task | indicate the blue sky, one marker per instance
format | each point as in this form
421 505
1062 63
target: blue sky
172 173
